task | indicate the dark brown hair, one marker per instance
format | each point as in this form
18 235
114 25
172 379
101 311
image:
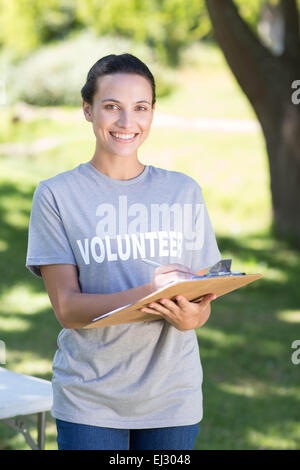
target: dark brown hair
123 63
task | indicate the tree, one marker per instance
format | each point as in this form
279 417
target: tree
165 25
268 80
25 25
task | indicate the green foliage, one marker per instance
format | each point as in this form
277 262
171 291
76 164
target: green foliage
25 24
55 74
250 10
166 24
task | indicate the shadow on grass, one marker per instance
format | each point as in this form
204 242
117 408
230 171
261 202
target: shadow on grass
250 384
39 336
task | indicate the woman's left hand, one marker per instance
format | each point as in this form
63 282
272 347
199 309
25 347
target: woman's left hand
184 315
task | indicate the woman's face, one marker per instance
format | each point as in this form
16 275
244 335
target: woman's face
121 113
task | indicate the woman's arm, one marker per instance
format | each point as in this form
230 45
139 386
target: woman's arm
74 309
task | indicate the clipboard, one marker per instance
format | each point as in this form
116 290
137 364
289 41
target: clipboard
216 282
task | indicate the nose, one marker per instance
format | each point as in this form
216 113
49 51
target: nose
125 119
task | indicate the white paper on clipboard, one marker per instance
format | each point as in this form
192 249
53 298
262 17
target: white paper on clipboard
111 312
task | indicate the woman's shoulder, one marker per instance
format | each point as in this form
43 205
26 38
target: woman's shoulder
176 177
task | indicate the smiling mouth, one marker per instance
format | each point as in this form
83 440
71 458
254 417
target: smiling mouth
124 138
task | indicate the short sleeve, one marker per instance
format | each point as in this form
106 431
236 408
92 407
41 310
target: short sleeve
47 239
205 248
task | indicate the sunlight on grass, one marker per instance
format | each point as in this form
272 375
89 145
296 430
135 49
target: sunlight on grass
13 323
4 244
289 316
29 363
276 436
208 88
247 390
259 389
220 338
15 218
20 298
274 274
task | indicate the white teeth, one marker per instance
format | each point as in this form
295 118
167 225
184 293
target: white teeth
123 136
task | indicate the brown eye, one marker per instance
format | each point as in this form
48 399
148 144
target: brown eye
108 106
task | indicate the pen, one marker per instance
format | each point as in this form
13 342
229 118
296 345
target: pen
154 263
195 276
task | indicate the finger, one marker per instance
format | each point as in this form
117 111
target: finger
174 276
159 307
170 305
171 268
180 267
165 269
151 310
182 301
212 296
208 298
156 307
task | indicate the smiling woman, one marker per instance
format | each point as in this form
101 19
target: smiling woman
138 385
122 122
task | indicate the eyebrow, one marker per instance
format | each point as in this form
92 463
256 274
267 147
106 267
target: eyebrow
116 101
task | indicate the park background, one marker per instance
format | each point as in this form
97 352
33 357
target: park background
205 127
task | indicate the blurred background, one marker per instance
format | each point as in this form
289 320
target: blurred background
227 114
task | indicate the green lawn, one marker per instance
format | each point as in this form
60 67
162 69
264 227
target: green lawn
251 387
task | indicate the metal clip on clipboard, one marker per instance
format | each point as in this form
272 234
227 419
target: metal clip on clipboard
221 268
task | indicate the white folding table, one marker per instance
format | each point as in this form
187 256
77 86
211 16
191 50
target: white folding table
21 395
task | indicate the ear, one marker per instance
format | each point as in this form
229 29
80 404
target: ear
87 110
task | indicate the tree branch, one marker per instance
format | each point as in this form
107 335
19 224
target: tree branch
291 29
247 57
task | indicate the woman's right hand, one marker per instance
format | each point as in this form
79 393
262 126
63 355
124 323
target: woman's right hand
164 275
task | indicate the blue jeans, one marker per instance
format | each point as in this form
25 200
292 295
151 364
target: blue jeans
73 436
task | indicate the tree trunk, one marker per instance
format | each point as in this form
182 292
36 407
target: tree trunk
267 80
284 162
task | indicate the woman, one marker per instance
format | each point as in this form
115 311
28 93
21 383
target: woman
137 385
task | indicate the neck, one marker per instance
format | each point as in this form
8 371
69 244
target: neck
120 168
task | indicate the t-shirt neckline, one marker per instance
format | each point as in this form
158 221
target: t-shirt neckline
104 177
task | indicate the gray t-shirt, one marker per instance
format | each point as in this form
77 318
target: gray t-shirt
136 375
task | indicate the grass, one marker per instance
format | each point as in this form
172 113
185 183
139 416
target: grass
207 87
251 387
